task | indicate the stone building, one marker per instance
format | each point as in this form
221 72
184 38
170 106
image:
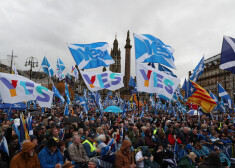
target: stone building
213 75
116 54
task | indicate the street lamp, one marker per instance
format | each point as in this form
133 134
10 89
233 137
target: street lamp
32 62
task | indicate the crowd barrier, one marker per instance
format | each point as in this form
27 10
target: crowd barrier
108 161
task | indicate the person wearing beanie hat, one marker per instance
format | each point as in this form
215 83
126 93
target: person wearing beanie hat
50 155
26 158
34 140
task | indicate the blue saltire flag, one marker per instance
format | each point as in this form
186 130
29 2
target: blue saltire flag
142 113
4 145
174 98
34 104
215 98
166 70
91 55
227 59
61 134
179 94
67 93
66 110
43 109
124 110
198 70
29 122
47 67
185 88
224 94
81 115
222 107
152 50
22 132
156 108
57 94
176 151
60 65
83 104
84 94
9 114
132 82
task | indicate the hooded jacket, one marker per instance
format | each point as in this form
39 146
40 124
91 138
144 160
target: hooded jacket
123 158
23 159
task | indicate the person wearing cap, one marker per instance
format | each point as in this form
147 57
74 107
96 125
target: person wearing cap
223 158
89 145
188 161
77 152
26 158
50 156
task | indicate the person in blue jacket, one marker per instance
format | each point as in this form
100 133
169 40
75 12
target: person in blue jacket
50 156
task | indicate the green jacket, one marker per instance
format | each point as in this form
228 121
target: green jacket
186 162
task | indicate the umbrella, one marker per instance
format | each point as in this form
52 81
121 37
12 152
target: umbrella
194 112
113 109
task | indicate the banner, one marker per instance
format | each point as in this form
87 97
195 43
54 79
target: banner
17 106
151 80
16 88
105 80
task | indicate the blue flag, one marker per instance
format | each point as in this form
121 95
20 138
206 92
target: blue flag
198 70
224 94
152 50
215 98
132 82
60 65
124 110
67 93
222 107
47 67
185 88
4 145
91 55
227 59
166 70
66 110
57 94
191 89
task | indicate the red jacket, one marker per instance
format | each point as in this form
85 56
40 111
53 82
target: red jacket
171 140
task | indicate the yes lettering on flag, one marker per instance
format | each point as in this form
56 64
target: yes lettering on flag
151 80
152 50
91 55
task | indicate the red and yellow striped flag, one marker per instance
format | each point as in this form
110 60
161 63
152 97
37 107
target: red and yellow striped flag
201 98
25 128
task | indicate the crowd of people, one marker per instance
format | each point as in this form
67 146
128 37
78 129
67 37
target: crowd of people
153 140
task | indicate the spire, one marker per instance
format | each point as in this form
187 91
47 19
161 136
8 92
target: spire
115 43
128 41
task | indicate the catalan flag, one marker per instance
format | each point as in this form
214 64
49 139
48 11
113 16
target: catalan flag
199 96
136 101
23 130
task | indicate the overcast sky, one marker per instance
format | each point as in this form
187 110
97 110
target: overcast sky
42 27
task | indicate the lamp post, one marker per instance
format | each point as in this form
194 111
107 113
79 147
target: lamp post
32 62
